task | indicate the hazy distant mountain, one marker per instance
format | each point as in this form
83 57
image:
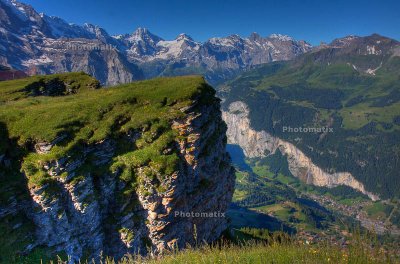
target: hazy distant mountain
37 44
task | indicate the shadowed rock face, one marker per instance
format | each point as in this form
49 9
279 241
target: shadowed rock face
258 143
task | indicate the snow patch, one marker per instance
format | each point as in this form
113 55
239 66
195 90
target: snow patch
39 61
372 71
171 48
281 37
372 50
352 65
225 42
120 36
174 48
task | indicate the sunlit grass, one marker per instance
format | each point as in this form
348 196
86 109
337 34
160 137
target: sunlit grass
253 252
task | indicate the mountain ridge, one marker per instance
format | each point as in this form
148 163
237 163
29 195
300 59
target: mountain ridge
41 43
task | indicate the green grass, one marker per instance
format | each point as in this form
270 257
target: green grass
91 115
359 115
23 88
253 252
240 194
379 210
288 212
281 211
351 201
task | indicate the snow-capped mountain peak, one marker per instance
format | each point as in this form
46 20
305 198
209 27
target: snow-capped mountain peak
143 34
229 41
280 37
184 36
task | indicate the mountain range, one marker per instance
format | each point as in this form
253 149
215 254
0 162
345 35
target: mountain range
43 44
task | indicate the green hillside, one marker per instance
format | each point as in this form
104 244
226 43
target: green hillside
328 88
69 111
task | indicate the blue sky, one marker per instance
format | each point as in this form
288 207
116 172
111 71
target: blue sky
311 20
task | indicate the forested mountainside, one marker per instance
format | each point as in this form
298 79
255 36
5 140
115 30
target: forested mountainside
40 44
86 170
351 88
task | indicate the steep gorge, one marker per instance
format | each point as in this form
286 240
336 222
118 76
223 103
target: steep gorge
261 143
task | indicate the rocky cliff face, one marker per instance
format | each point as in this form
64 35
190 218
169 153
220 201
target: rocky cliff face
198 187
260 143
88 213
165 183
